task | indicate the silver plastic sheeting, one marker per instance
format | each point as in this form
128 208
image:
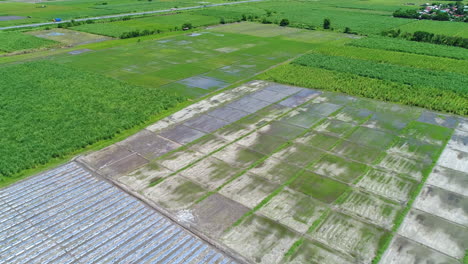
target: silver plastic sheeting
67 215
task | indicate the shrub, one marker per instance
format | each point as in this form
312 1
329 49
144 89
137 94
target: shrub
187 26
284 22
326 23
409 13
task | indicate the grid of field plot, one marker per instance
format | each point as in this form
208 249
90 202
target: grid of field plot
287 174
436 229
67 215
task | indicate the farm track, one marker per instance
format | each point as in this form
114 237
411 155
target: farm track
67 215
128 14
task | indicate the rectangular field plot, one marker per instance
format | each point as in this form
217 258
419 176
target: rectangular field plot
339 168
299 155
318 140
403 250
313 252
434 232
414 169
293 209
260 239
175 193
69 37
320 188
275 170
355 238
445 204
452 180
389 185
376 210
248 189
210 173
357 152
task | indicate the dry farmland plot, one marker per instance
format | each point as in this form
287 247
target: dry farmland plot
286 177
68 37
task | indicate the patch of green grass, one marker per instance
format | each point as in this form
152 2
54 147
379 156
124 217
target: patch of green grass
63 110
428 132
401 45
15 41
321 188
294 247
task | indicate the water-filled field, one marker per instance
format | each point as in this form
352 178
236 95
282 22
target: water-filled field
281 174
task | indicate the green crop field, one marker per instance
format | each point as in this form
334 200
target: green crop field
406 75
63 110
14 41
437 27
383 43
399 58
282 131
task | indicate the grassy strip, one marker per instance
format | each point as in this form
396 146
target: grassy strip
294 247
352 84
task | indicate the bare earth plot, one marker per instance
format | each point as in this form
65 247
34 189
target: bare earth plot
68 37
281 174
67 215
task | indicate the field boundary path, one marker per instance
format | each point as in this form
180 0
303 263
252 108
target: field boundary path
127 14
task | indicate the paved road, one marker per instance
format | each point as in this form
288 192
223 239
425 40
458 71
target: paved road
128 14
67 215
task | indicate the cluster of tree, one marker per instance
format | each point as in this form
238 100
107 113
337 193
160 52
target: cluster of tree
408 13
423 36
147 32
138 33
74 23
412 13
441 12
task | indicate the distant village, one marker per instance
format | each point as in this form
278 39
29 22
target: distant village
456 11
